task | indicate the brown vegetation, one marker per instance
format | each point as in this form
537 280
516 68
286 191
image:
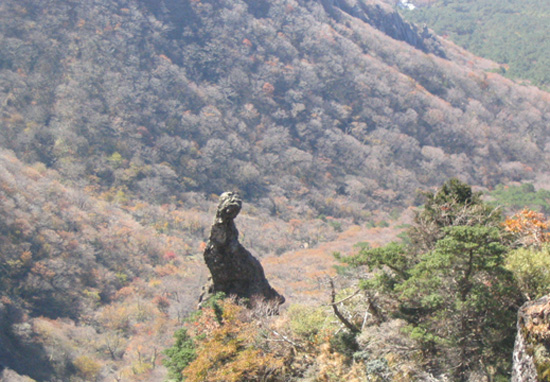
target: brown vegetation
115 117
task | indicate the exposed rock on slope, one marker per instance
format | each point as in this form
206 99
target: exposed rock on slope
234 270
385 19
531 351
19 351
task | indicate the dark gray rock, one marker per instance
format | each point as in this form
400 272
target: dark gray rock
384 18
234 270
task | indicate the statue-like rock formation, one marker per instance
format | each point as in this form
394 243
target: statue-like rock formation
234 270
532 347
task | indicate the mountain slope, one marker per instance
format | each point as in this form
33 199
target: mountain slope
512 32
122 118
278 99
65 258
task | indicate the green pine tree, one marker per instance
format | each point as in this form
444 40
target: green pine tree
181 354
450 282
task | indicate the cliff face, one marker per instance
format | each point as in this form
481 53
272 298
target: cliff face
384 18
532 348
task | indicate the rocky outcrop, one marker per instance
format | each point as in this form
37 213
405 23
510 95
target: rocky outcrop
384 18
20 353
532 347
234 270
11 376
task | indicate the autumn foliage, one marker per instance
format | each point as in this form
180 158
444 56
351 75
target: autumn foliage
119 120
223 342
529 227
229 351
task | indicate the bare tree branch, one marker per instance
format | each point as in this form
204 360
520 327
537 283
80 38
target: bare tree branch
340 316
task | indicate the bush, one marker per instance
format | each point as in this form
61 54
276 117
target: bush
345 343
308 322
87 367
531 268
229 351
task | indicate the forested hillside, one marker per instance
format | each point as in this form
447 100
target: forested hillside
277 99
512 32
121 121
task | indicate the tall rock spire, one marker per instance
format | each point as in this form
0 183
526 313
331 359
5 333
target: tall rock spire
234 270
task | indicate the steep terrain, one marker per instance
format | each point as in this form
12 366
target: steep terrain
120 119
511 32
308 101
71 270
531 348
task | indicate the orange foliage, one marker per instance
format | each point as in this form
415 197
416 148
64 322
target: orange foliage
162 304
165 58
529 226
333 367
268 88
202 246
229 352
124 292
166 270
42 270
26 257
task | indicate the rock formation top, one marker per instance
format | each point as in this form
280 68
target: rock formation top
234 270
532 347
